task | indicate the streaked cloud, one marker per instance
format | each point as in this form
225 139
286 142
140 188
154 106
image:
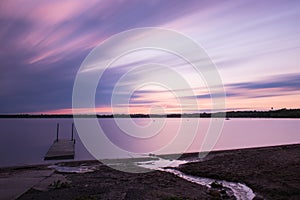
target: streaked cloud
255 45
284 82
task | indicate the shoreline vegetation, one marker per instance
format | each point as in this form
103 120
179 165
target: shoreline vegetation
271 172
281 113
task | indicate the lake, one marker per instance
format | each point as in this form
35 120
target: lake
26 141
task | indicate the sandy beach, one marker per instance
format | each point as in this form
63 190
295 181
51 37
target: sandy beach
271 172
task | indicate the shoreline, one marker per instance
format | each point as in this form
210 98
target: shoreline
275 175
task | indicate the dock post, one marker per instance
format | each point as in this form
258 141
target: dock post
57 130
72 131
61 149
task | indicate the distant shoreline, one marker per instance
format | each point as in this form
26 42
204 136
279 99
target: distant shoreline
281 113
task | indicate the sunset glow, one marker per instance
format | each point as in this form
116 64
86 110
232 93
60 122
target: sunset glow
254 44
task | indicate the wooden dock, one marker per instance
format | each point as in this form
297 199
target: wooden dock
61 149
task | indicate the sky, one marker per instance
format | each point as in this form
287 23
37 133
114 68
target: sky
254 44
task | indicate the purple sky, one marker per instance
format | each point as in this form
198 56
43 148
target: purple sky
255 45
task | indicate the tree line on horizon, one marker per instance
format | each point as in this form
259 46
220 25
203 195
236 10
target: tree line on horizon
281 113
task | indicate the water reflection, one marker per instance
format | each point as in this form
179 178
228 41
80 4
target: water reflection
25 141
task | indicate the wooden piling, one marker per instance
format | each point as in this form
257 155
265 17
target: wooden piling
57 130
72 138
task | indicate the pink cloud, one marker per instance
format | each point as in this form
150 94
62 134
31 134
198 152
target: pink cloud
80 43
49 38
53 12
44 11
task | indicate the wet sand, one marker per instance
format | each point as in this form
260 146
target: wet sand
271 172
107 183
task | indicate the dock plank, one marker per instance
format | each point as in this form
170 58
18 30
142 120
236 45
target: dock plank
61 149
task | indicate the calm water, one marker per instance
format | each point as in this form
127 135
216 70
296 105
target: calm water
26 141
